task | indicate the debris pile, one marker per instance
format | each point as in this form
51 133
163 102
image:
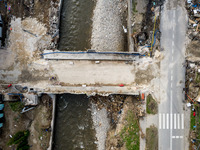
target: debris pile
192 96
192 83
114 105
146 33
54 22
193 8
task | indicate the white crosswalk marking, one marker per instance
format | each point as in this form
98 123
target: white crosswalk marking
178 121
171 121
167 121
163 121
174 121
182 121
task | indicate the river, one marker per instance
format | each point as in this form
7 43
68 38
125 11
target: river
73 125
76 25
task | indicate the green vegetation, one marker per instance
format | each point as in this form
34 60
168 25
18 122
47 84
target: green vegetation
195 121
16 106
152 106
197 78
134 4
130 134
21 140
152 138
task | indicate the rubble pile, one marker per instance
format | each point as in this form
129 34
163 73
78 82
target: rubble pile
192 96
54 22
114 105
146 33
193 8
192 83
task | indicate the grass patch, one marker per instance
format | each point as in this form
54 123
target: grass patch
134 4
16 106
130 134
197 78
152 106
21 140
195 121
152 138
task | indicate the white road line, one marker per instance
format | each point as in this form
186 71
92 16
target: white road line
171 122
167 121
173 35
172 51
171 77
171 85
182 121
172 43
163 121
171 94
160 121
178 116
171 115
177 137
174 121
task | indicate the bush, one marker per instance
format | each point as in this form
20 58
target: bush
16 106
20 138
26 147
152 106
23 145
15 137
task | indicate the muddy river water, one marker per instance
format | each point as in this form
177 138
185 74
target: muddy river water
73 125
76 24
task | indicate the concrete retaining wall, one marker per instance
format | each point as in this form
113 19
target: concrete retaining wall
53 121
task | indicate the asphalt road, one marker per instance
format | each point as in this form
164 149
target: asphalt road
171 113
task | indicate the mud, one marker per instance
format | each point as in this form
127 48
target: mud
193 49
33 76
144 76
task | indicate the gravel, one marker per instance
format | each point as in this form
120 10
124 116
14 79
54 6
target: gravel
107 32
101 124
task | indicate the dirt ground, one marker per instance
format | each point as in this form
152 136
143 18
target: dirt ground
26 8
36 121
144 76
193 48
